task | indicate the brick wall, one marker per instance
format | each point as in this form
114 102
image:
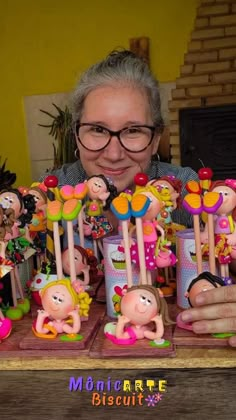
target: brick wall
208 74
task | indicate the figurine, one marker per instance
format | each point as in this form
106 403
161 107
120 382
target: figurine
156 248
170 189
224 225
60 303
205 281
16 242
100 194
5 326
85 265
140 305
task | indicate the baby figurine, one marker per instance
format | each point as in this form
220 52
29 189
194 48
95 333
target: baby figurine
140 306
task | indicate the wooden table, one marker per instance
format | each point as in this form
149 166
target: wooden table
200 382
185 358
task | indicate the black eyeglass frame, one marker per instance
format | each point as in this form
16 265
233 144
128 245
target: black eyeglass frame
116 134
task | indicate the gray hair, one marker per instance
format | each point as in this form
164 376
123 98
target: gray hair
119 67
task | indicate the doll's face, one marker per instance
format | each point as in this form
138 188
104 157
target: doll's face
166 188
96 186
79 264
57 301
10 200
39 200
198 287
229 199
139 305
154 207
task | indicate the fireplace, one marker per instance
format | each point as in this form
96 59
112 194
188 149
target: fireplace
203 105
208 138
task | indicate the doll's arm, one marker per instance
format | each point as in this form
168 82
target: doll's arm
231 238
75 328
120 326
155 335
85 271
42 315
103 197
26 235
160 229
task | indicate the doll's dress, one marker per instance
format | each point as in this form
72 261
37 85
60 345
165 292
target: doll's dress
150 239
184 325
5 328
99 223
224 225
16 245
110 329
37 229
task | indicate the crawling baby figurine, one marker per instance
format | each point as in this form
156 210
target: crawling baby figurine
140 306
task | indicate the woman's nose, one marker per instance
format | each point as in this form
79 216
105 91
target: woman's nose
114 150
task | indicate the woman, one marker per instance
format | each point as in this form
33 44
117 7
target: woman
118 124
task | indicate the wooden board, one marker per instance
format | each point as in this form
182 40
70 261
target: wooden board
189 338
15 346
184 337
88 329
103 347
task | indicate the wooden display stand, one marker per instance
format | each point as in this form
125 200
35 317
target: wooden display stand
103 347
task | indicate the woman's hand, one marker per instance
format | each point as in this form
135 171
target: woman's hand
214 311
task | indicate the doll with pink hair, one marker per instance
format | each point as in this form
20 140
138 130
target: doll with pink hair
224 226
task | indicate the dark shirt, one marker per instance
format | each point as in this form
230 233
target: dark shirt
73 173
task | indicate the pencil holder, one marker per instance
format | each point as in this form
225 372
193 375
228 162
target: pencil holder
115 274
186 269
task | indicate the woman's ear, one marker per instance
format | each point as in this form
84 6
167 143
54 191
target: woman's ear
156 142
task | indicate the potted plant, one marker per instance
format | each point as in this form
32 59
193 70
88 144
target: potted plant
61 129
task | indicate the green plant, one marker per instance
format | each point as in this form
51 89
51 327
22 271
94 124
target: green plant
7 178
61 129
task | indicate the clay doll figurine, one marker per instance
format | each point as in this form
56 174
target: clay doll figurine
100 195
38 225
5 326
224 226
140 306
60 304
156 248
205 281
15 243
85 266
170 189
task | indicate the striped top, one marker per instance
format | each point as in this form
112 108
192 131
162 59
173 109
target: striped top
73 173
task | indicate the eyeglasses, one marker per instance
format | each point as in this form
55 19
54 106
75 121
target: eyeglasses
95 138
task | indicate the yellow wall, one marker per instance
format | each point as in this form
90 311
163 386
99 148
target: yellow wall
45 44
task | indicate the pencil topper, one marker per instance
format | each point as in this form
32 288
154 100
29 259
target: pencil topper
100 193
16 242
224 226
